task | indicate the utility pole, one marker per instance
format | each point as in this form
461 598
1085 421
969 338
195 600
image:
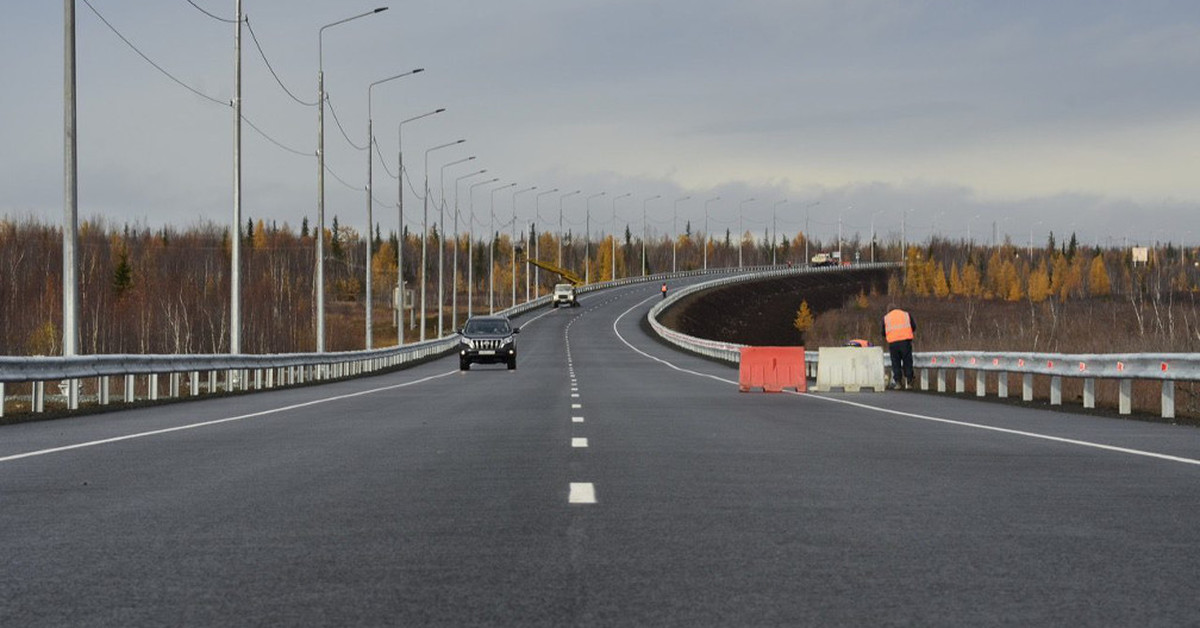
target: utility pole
70 333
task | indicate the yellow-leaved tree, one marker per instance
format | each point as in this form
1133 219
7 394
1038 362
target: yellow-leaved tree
804 319
1098 282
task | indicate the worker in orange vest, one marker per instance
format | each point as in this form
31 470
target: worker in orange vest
664 289
898 328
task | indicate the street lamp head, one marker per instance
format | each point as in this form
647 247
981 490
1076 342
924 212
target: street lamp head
380 10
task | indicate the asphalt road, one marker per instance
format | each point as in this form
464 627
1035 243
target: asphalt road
430 496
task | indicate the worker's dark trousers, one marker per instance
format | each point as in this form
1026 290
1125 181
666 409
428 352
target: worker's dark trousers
902 361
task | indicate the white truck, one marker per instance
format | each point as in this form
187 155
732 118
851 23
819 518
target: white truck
564 294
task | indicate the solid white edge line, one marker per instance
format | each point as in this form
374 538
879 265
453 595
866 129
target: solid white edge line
922 417
192 426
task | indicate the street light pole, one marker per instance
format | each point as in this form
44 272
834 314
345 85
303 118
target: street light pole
706 238
675 229
400 233
537 271
775 229
470 247
454 264
370 200
492 235
70 228
442 239
741 229
560 224
645 233
587 237
320 280
613 274
513 235
425 231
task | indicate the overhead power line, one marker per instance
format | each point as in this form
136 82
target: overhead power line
151 62
349 141
272 69
195 91
215 17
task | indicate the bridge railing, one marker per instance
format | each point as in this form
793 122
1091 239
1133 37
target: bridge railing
149 377
1165 368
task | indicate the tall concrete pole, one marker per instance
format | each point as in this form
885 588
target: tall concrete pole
70 274
706 238
235 274
587 238
400 238
320 261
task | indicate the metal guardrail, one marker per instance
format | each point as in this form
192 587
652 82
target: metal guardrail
212 373
1167 368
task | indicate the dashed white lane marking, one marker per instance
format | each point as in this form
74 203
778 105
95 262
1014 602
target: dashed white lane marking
912 415
576 406
582 493
579 443
577 419
574 395
192 426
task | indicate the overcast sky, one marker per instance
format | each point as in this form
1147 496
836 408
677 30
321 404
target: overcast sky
1063 115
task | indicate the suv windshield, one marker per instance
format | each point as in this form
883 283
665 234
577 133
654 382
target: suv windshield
487 327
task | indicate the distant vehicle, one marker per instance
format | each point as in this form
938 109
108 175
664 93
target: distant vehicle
488 340
564 294
824 259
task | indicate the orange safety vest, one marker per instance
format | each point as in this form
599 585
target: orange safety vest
664 287
897 324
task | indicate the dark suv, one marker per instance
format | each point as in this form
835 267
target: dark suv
487 340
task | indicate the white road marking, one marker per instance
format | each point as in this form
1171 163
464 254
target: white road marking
574 395
582 493
192 426
579 443
911 415
577 419
576 406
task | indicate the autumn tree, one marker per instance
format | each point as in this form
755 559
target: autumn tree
804 319
1098 282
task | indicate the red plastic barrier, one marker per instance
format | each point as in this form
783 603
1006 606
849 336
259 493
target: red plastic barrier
772 369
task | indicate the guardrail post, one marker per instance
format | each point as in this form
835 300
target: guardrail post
960 381
1089 393
271 377
174 385
72 394
1168 399
153 386
941 380
1002 385
1 399
102 391
924 379
1125 397
1027 387
129 396
194 382
980 383
258 379
1056 390
39 397
212 382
